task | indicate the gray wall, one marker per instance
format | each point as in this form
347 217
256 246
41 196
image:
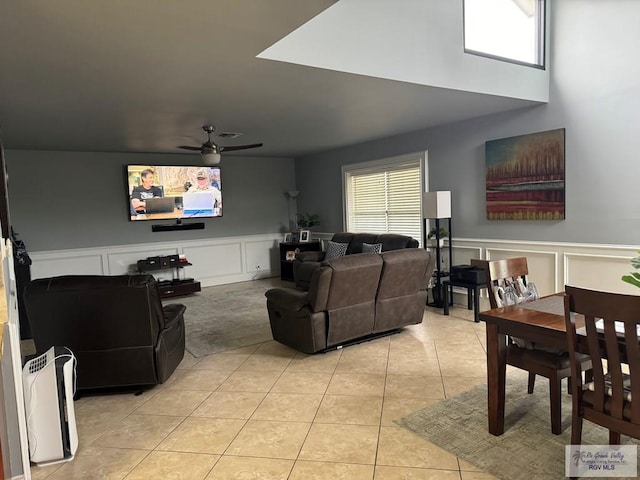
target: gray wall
63 200
594 94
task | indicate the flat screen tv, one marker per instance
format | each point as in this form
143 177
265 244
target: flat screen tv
180 192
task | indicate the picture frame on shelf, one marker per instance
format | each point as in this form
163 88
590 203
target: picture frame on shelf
291 256
287 237
305 236
295 237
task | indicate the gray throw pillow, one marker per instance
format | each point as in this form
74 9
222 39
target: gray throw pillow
335 250
371 248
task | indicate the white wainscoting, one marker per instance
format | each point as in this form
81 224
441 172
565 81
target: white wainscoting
214 261
553 265
218 261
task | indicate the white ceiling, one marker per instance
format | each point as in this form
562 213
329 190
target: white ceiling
145 75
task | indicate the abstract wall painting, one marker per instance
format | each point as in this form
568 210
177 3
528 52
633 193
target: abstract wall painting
525 177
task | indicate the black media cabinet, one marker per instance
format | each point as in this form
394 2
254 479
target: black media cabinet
288 251
170 288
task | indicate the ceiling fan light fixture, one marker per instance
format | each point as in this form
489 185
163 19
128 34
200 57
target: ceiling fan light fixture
210 150
229 134
210 158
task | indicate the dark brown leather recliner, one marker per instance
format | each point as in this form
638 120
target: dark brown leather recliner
352 297
116 326
306 263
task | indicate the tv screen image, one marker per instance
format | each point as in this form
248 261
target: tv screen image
165 192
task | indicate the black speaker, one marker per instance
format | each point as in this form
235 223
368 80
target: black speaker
177 226
22 269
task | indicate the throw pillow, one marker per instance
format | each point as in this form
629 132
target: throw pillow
335 250
371 248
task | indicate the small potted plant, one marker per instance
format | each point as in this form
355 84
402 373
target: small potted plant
439 233
306 220
634 277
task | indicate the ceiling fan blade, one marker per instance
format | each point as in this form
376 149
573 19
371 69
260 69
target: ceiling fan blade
240 147
197 149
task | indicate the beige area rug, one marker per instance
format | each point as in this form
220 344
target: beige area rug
226 317
526 451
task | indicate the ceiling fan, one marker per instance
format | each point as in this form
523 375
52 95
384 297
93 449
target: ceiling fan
211 151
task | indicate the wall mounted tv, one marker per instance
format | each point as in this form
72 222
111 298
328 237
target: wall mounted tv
180 192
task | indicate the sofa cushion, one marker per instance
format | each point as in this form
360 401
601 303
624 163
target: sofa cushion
394 241
371 248
351 296
358 239
342 237
335 250
354 279
402 290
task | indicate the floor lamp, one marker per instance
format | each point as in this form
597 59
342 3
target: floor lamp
437 206
293 194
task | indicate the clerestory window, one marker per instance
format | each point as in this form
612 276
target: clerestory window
510 30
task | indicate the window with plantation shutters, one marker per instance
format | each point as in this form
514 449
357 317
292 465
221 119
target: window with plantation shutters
384 199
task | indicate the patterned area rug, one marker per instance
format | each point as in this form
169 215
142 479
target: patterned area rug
226 317
526 451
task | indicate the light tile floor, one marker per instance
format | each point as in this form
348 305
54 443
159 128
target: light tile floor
269 412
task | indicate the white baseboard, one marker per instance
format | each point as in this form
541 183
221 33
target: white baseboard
552 265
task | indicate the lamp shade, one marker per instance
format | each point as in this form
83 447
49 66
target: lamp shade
210 158
436 204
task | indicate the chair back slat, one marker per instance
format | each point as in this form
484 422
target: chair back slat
615 384
596 354
632 353
576 371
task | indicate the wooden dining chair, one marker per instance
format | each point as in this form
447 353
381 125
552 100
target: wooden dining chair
612 398
536 360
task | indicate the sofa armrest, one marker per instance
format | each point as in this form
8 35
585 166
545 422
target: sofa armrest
303 271
172 313
288 298
310 256
169 349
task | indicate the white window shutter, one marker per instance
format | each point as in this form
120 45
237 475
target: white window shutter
385 199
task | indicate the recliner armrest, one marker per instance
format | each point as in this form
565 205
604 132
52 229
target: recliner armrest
172 313
310 256
288 298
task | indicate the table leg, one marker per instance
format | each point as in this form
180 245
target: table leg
476 305
469 298
445 292
496 373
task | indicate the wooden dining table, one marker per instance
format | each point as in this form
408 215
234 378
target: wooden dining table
541 321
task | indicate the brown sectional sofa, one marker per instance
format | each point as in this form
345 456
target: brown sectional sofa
352 297
307 262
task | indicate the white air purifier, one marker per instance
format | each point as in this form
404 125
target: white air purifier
49 382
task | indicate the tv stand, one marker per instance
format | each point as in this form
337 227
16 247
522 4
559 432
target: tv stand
176 286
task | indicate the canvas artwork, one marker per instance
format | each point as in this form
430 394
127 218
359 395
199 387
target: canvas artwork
525 177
